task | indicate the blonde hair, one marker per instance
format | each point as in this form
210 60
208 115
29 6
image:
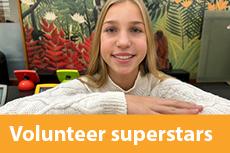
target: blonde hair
98 66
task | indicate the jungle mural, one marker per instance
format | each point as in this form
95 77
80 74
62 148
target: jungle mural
58 33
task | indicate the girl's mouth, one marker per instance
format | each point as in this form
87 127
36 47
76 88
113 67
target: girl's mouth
122 57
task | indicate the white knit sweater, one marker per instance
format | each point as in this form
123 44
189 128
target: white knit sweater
75 97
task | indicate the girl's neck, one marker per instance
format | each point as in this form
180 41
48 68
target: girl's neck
124 81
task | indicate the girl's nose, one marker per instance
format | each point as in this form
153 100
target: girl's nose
123 40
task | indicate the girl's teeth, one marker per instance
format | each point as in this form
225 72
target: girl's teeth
123 57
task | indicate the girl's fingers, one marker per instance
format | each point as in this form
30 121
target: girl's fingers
181 104
163 109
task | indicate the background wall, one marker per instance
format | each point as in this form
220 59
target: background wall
11 40
11 46
181 21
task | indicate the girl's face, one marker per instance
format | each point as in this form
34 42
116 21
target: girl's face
123 39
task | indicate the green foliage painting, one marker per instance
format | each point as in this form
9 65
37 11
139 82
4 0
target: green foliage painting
59 32
181 21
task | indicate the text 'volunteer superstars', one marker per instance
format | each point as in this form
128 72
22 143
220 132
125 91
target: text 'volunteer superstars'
20 133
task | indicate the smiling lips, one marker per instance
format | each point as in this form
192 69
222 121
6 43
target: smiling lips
123 56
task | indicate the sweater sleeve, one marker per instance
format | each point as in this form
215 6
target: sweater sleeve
69 98
175 89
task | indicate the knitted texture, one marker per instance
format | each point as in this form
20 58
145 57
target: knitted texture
75 97
175 89
68 98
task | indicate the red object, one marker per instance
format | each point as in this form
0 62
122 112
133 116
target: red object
26 79
25 85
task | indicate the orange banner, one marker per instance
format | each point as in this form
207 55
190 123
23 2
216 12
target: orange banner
114 133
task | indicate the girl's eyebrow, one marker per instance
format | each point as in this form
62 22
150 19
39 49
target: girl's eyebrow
109 22
115 22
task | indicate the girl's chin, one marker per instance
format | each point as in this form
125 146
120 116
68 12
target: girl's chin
124 72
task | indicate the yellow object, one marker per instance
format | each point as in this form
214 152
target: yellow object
65 75
43 87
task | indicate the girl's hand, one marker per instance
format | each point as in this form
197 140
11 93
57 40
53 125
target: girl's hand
154 105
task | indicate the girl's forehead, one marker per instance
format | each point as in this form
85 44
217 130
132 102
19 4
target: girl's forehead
124 11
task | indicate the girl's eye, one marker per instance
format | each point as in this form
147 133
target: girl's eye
136 30
110 30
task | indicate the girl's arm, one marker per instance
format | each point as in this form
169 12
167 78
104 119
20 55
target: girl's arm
69 98
75 98
155 105
177 90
